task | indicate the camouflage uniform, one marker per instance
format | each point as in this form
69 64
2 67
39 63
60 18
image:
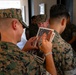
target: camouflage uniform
64 56
15 62
40 18
68 33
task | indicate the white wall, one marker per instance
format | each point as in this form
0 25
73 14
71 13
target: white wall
74 12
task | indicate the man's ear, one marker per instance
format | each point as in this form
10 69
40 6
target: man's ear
63 21
14 24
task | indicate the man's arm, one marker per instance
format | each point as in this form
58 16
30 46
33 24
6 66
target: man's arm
50 66
46 47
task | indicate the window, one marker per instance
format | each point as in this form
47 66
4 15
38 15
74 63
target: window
9 4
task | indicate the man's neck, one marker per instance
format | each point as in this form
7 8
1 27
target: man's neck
8 38
55 28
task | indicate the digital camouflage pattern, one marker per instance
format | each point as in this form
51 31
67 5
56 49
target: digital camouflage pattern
68 34
40 18
12 13
15 62
64 56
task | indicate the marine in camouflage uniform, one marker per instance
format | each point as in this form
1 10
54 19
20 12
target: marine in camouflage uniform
63 53
12 60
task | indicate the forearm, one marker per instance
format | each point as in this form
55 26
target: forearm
50 66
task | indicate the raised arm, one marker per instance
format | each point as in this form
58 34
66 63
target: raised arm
46 47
